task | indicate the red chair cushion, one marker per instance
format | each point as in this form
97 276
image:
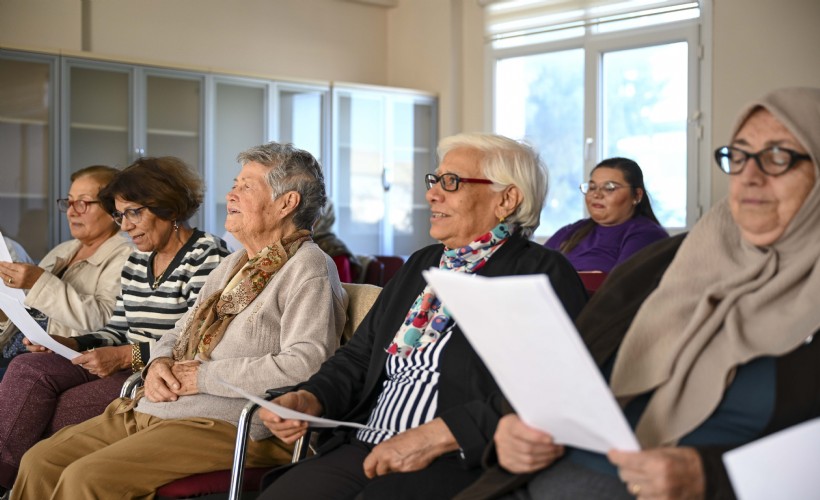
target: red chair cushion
211 482
343 267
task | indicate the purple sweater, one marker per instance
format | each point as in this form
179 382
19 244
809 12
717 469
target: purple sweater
607 246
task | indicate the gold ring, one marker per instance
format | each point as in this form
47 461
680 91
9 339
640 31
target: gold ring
10 280
635 489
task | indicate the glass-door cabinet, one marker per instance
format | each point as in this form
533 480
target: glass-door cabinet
115 113
383 144
28 138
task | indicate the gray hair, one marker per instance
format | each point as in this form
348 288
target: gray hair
291 169
508 162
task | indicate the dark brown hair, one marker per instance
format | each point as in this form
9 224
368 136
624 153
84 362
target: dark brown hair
165 184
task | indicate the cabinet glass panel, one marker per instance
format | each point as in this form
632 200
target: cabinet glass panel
173 118
300 120
25 99
99 118
238 125
413 155
359 193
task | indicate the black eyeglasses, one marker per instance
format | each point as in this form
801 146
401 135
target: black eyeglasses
607 187
133 215
80 206
772 161
450 182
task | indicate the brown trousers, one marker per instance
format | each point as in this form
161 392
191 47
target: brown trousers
127 454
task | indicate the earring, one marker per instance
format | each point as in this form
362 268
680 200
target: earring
501 219
634 202
176 227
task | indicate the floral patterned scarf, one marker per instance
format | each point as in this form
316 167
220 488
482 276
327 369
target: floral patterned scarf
427 319
250 277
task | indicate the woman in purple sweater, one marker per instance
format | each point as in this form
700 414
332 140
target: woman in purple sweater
620 222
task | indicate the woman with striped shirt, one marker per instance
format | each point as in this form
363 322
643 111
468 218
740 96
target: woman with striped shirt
151 200
409 373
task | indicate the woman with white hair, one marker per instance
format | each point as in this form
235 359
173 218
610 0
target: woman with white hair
409 371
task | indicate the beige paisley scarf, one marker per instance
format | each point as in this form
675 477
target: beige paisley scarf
250 277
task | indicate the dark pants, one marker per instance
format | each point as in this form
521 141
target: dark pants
565 480
40 394
338 474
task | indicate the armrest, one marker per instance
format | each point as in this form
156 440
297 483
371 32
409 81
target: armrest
243 430
131 384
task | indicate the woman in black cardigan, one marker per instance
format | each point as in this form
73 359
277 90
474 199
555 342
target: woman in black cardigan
409 373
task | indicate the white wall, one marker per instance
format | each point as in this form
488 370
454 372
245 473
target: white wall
758 46
304 39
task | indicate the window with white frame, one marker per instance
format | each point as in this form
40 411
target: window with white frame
587 80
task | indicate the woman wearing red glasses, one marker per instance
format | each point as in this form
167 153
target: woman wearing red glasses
75 287
620 223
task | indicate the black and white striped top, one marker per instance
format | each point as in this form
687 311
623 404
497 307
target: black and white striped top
143 314
409 396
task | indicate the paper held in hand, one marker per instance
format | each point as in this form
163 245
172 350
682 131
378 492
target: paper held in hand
781 465
5 256
26 324
521 331
287 413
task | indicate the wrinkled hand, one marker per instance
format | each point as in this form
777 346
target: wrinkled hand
186 372
66 341
22 275
104 361
287 430
160 383
412 450
521 448
661 473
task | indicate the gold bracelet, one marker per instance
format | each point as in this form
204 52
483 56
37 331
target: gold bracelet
136 358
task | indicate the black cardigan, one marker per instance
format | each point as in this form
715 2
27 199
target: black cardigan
469 401
603 324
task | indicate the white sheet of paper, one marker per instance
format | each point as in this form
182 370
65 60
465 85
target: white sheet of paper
292 414
782 465
20 317
522 333
5 256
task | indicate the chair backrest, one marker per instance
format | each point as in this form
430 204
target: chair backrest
360 299
392 263
592 280
343 267
374 272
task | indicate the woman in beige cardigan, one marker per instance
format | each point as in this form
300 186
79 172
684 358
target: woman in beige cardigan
268 316
76 284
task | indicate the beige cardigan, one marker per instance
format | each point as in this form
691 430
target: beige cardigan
83 299
279 340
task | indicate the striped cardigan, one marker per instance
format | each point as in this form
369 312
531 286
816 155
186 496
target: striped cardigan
143 314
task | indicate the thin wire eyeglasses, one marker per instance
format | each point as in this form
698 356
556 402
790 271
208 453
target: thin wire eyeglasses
450 182
80 206
133 215
772 161
606 188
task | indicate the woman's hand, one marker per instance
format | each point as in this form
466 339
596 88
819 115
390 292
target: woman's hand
186 372
521 448
66 341
21 275
412 450
104 361
160 383
661 472
289 431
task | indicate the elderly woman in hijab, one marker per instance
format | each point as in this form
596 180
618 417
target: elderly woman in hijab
409 372
269 315
723 351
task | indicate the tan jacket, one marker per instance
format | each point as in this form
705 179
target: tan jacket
83 299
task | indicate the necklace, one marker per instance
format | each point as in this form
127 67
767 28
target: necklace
156 281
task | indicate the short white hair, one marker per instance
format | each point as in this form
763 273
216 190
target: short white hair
508 162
